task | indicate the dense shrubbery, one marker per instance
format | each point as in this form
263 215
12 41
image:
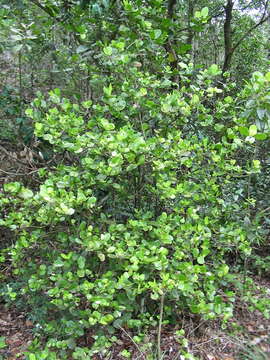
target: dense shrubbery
154 200
143 211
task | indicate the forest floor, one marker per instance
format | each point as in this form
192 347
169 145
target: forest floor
246 337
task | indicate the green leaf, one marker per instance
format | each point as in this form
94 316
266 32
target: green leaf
204 12
120 105
106 319
267 76
200 260
96 9
17 48
2 342
195 99
81 262
66 210
81 49
101 257
166 108
38 126
243 130
256 164
12 187
143 92
57 92
214 70
26 194
261 136
106 124
154 296
87 104
108 50
171 57
157 33
223 270
108 90
252 130
261 113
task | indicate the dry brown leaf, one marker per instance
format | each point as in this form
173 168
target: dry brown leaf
4 323
15 340
28 323
256 340
265 348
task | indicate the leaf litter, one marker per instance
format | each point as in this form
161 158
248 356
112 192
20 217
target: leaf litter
246 337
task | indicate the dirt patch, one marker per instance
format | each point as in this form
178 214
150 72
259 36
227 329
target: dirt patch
247 337
15 333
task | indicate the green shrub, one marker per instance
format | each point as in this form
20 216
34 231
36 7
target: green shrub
141 207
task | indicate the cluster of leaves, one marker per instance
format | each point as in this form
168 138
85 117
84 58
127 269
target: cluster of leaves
12 122
155 193
138 211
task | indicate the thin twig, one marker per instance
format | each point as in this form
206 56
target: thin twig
160 325
124 331
12 157
208 341
46 9
263 20
193 330
19 174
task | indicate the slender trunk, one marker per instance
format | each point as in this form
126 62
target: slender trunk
20 81
191 4
169 43
171 4
229 49
228 36
268 21
161 310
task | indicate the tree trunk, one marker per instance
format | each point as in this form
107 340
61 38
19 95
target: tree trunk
171 4
169 44
228 36
191 4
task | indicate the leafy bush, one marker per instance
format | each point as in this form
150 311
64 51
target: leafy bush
140 210
12 123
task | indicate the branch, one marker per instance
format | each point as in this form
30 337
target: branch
263 20
171 4
228 35
18 173
246 7
12 157
46 9
53 14
213 16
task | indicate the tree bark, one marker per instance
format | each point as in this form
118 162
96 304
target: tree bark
190 16
228 36
229 47
168 45
171 4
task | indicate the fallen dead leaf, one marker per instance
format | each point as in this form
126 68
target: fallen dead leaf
256 341
4 323
29 323
15 340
